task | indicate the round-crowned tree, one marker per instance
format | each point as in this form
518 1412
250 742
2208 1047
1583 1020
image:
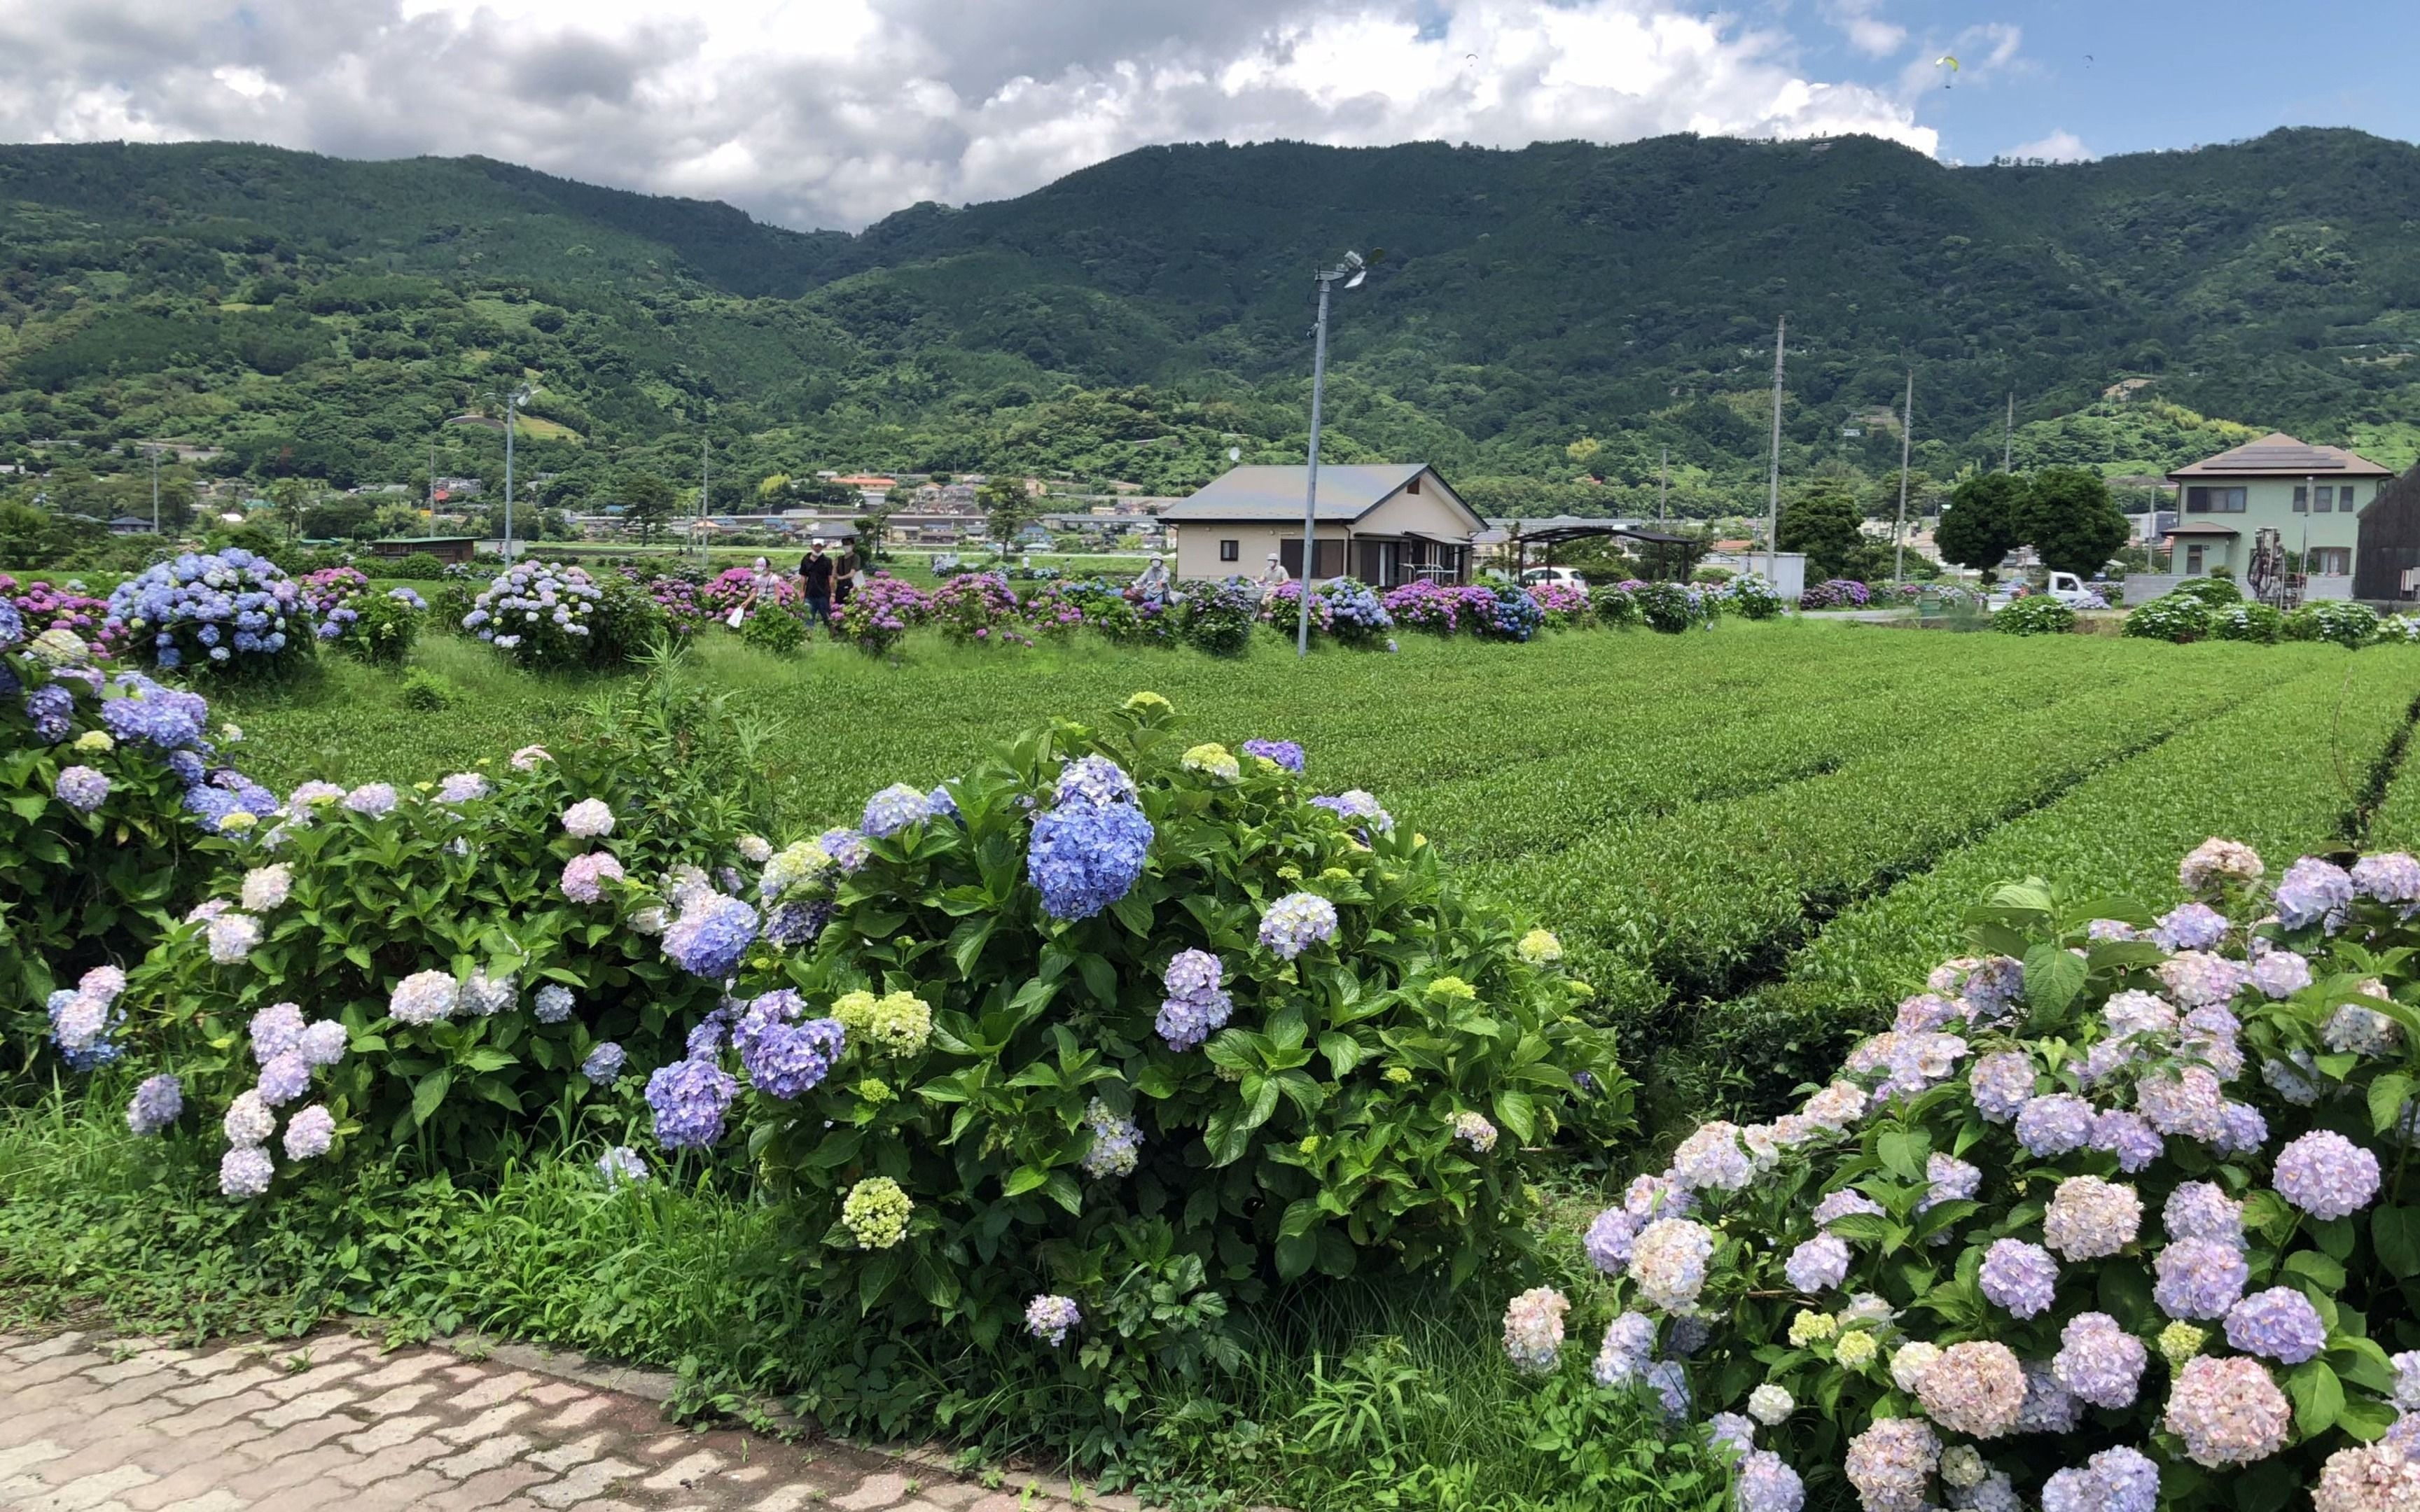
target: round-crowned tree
2067 515
1980 525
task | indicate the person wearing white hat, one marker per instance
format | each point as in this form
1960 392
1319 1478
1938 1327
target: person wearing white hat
1273 577
1152 585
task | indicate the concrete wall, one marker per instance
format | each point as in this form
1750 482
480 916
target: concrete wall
2143 587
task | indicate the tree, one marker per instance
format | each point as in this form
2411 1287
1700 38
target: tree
2067 515
1822 522
646 502
1979 524
1008 509
291 497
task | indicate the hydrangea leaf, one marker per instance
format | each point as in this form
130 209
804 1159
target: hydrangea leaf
2319 1396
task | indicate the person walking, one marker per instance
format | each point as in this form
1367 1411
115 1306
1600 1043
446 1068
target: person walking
816 573
849 573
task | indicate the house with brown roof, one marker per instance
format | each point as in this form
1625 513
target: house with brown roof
1384 523
2309 495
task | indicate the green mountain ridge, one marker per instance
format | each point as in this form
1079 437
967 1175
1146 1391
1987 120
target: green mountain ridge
1138 318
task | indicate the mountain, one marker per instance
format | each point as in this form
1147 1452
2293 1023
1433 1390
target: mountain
1539 312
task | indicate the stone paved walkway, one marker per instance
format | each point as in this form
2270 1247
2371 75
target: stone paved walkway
92 1425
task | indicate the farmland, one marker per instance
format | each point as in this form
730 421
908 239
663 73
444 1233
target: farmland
1770 825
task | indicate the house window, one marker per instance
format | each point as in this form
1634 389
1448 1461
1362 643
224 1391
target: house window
2207 501
1413 487
2331 561
2302 500
1231 550
2192 560
2323 500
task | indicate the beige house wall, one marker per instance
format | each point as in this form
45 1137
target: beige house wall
1197 547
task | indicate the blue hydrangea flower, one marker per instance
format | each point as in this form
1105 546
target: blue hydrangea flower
893 809
2055 1124
1610 1238
1051 1319
1358 805
551 1004
847 849
689 1099
1117 1142
52 710
795 924
2279 1324
785 1057
1084 857
939 805
710 936
2199 1278
284 1079
622 1167
2019 1276
2314 892
2191 927
81 788
604 1063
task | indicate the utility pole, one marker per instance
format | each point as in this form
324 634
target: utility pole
1350 272
1663 483
154 449
1906 439
705 484
1772 480
2009 436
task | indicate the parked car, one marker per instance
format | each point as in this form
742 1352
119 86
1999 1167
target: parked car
1568 576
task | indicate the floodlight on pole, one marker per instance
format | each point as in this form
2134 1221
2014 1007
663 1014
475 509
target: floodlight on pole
514 397
1350 273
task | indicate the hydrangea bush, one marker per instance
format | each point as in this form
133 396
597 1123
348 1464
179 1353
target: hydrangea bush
377 628
2035 614
41 606
1125 1019
1563 606
2341 622
228 611
880 615
2177 616
540 613
1668 608
2114 1216
733 587
978 609
1753 597
483 951
1219 617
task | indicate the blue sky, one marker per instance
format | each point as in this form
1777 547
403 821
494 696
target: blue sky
2161 73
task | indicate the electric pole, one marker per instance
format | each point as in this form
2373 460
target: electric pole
1906 439
155 488
1772 480
2009 436
1664 484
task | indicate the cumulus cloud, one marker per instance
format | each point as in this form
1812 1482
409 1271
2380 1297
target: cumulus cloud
835 112
2060 146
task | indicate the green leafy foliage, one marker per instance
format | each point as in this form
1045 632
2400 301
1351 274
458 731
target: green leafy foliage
1981 522
2337 622
2067 515
2035 614
2180 617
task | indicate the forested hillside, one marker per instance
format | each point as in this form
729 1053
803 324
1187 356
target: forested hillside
1543 315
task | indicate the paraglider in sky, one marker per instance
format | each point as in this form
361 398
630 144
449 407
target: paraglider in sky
1950 62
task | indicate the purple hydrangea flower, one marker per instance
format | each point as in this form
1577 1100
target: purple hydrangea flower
2002 1083
2244 1132
604 1063
2191 927
1949 1179
1609 1238
2019 1276
284 1079
2314 892
689 1099
2055 1124
1819 1264
1086 857
2099 1362
2326 1175
2279 1324
1051 1319
2199 1278
797 923
786 1056
710 936
1093 783
81 788
1195 1005
2199 1210
846 848
2281 973
1296 922
1286 754
52 710
156 1104
2114 1480
1767 1483
310 1133
2125 1135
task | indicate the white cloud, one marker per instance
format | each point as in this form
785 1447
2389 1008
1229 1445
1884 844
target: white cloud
835 112
2060 146
1865 32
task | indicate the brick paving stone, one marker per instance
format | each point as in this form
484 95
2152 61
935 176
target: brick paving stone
684 1473
874 1492
58 1344
486 1454
495 1389
25 1457
489 1487
402 1370
215 1387
388 1433
494 1420
564 1456
311 1379
305 1408
587 1481
394 1399
218 1501
395 1459
577 1415
785 1499
87 1491
556 1393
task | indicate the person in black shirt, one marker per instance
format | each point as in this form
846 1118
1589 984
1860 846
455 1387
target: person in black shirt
845 572
818 571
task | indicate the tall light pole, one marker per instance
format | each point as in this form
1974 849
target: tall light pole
1351 272
1899 532
154 449
1772 481
514 398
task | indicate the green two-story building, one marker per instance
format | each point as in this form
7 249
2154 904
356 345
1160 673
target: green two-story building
2309 495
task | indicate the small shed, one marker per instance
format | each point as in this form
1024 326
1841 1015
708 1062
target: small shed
1386 524
447 548
2386 553
130 525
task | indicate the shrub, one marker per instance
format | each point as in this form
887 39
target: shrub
2036 614
374 626
880 615
1714 577
1068 1035
2397 629
1615 606
2258 623
1506 613
93 843
421 566
1283 611
2342 622
1836 592
474 948
977 608
779 631
677 599
2176 1150
42 607
426 692
1560 605
2214 590
1669 608
1425 606
1219 617
1355 615
1053 611
1753 597
232 612
2178 617
540 613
